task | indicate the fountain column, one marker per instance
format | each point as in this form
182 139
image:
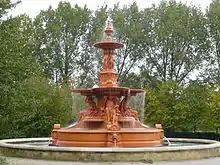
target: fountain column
108 77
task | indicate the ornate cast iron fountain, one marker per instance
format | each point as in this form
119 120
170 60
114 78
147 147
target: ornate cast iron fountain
108 121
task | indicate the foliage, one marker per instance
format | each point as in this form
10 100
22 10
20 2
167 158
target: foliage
176 40
34 106
16 64
132 80
6 5
128 30
178 108
47 104
63 43
29 106
195 99
212 72
213 116
163 105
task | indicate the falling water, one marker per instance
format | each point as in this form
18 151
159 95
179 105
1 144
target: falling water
49 142
138 104
168 141
103 28
103 33
78 104
142 106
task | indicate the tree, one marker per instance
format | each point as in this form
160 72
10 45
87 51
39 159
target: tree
163 106
178 108
90 63
29 104
63 40
5 5
213 116
212 71
133 80
195 99
176 40
16 64
62 30
38 105
127 29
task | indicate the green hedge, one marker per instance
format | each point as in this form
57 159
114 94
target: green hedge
33 107
196 135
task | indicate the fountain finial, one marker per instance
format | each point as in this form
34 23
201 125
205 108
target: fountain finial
108 31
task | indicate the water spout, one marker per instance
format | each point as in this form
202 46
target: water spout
168 141
49 142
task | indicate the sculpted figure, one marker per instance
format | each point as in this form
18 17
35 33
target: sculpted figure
91 108
116 101
112 112
126 110
115 116
124 104
108 110
132 113
108 60
115 139
105 62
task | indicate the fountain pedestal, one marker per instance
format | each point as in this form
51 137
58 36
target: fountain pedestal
110 121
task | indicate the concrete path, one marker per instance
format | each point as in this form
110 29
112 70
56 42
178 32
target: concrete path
20 161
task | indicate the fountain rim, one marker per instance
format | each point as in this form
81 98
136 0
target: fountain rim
20 144
96 91
109 45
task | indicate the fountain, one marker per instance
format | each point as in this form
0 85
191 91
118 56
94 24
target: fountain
109 121
109 129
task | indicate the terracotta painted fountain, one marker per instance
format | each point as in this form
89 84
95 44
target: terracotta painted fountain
109 129
108 121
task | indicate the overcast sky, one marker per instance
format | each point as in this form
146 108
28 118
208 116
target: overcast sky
33 7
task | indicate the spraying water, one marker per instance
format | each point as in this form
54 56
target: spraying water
142 95
138 103
168 141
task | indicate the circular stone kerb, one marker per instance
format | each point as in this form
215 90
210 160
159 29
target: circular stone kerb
21 148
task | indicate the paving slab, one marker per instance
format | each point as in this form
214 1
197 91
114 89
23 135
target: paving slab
21 161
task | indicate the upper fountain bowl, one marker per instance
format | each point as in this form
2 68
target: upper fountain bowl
109 45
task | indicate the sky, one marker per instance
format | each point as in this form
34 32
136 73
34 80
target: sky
33 7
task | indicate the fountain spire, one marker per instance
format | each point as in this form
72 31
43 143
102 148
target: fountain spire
108 31
108 77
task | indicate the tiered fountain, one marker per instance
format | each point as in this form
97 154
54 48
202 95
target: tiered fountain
109 129
109 121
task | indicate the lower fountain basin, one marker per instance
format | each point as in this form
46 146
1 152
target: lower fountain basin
136 137
37 148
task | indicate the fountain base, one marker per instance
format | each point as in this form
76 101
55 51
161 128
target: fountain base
79 137
93 131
